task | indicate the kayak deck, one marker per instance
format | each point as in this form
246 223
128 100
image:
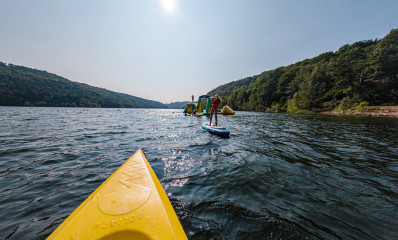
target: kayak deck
130 204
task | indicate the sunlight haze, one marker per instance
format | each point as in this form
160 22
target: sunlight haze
169 5
167 50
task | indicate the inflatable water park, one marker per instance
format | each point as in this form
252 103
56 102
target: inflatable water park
189 109
192 106
197 109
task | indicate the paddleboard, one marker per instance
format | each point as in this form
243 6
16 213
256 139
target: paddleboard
220 131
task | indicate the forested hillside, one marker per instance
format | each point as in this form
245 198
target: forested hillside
227 89
365 72
22 86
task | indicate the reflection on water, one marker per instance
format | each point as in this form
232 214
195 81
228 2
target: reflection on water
278 176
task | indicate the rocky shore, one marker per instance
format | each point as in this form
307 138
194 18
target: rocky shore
375 111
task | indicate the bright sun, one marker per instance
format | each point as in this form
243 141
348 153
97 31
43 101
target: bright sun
169 5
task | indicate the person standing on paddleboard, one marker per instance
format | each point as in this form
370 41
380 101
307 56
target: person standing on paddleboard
216 101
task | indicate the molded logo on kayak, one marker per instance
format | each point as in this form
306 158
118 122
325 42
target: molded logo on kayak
127 194
111 222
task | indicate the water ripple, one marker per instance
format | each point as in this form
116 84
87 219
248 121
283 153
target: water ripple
278 176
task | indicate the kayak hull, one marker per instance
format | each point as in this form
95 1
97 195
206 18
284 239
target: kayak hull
130 204
220 131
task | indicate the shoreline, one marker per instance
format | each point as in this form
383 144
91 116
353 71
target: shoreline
371 111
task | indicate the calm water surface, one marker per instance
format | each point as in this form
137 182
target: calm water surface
278 176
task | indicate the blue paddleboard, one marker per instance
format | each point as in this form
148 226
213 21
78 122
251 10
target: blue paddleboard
220 131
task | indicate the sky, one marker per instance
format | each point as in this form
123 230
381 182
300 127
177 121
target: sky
168 50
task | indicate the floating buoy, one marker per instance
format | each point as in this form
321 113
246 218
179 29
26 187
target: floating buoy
227 111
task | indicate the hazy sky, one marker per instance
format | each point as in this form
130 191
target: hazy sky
167 51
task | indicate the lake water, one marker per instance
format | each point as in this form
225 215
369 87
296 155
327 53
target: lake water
279 176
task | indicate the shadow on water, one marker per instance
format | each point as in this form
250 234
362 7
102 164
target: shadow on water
278 176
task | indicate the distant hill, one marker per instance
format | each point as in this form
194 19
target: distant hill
177 105
22 86
358 74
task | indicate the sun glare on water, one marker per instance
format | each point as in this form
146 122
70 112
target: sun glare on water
169 5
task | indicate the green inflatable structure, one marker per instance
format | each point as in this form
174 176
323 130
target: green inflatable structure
199 106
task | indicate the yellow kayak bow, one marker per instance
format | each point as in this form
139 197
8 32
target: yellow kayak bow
130 204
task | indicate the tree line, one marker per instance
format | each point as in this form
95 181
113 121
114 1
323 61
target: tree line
362 73
22 86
